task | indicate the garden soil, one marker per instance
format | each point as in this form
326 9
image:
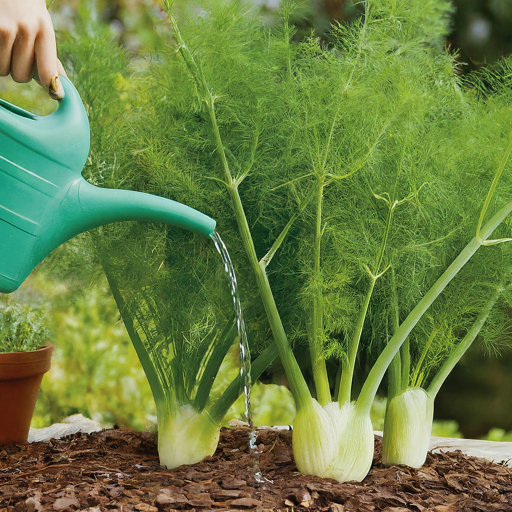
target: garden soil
119 470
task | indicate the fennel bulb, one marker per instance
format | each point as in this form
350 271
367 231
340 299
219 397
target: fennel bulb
186 436
333 442
407 428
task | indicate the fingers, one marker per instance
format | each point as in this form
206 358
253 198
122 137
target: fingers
27 45
56 91
22 60
7 37
45 50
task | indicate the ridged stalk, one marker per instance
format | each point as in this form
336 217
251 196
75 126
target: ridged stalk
298 385
316 334
347 376
405 358
395 368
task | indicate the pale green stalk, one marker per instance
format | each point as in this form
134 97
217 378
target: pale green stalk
298 385
400 367
405 356
347 375
395 368
416 376
316 336
395 378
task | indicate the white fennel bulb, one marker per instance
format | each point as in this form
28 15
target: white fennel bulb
355 445
407 428
333 442
186 437
314 439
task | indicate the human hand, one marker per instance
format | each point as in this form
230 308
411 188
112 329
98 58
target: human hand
27 45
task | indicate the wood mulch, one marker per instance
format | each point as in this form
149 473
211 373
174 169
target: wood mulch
119 470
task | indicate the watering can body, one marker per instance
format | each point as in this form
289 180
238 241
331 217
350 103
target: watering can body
45 201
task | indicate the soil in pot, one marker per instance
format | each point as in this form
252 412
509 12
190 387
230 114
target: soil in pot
21 374
119 470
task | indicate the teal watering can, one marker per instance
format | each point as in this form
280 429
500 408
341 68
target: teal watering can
45 201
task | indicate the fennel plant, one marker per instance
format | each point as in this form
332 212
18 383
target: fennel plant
475 304
341 177
169 285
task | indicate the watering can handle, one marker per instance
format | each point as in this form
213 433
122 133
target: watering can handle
63 136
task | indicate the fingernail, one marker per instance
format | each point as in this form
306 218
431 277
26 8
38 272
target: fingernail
56 90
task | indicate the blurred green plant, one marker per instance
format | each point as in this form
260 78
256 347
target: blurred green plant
22 326
498 434
446 428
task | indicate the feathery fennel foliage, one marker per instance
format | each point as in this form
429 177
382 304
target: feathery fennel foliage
349 183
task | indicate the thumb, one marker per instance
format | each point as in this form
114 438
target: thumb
56 91
48 65
54 86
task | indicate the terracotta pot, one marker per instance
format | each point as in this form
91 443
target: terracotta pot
21 374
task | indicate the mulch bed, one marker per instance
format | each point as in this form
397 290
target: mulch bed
119 470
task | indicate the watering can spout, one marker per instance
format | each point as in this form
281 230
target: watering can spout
97 206
44 200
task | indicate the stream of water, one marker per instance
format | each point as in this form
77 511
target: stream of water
245 354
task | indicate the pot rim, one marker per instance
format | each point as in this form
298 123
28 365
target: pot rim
32 356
